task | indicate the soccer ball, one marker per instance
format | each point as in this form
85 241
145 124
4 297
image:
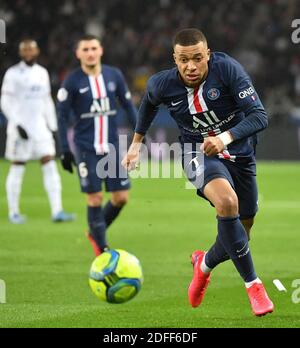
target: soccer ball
116 276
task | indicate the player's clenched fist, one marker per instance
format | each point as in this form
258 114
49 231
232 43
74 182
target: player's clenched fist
212 146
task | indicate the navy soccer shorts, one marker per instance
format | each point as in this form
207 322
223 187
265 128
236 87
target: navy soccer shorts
201 169
94 170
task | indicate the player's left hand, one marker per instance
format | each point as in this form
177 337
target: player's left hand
67 160
212 146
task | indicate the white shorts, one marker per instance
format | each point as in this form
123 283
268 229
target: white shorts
21 150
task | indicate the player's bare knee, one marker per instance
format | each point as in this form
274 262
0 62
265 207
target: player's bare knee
120 199
46 159
94 199
227 206
120 203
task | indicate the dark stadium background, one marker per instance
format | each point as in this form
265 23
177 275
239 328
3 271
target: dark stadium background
137 38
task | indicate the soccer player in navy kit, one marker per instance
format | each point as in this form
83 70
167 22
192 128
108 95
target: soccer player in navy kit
218 112
92 92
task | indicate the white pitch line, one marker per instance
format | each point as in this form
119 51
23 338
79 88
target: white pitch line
279 285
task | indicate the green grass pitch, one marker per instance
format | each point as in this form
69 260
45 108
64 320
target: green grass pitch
45 265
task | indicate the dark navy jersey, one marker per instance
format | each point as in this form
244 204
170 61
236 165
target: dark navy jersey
226 100
94 103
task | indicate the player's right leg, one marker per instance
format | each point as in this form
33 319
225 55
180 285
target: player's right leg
194 162
14 182
96 221
18 151
226 204
90 184
115 205
118 184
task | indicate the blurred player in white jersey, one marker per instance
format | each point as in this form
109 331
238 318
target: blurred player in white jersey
27 104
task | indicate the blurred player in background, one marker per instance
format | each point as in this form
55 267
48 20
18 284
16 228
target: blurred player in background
27 104
214 103
92 93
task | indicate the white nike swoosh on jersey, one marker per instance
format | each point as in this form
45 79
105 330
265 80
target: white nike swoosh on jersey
125 182
174 104
83 90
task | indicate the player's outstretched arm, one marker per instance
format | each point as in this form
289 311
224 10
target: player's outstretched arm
131 159
147 112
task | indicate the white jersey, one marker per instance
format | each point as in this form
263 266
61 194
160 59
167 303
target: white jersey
26 101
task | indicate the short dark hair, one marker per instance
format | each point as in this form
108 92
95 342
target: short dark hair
189 37
87 37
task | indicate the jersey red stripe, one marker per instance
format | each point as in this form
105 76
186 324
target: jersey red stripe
100 118
197 101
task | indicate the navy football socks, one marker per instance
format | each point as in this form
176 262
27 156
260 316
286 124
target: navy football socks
97 226
110 212
216 254
233 237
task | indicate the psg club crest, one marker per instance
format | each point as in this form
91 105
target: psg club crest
111 86
213 93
